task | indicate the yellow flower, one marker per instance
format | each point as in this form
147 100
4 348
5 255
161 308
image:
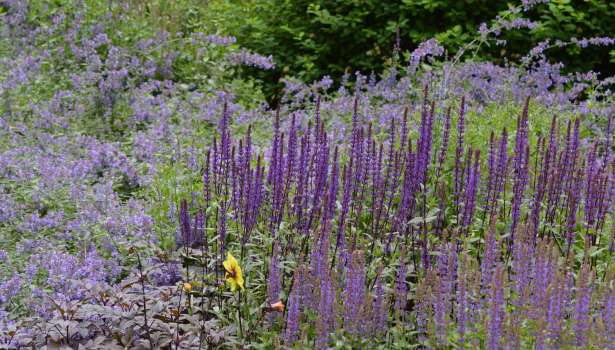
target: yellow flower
187 287
233 272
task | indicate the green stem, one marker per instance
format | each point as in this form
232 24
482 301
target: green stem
239 314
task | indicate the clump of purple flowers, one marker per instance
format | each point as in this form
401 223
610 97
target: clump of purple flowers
383 214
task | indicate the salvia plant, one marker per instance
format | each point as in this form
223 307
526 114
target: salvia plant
146 201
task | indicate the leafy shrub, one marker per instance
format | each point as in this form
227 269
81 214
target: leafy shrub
311 39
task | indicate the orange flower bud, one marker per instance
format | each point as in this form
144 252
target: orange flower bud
279 306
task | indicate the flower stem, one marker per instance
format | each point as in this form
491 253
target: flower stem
239 313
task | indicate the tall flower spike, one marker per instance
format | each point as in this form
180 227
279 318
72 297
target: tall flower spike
222 227
543 179
501 172
292 317
407 192
341 241
521 163
422 302
317 125
300 195
380 311
206 178
423 147
444 145
574 197
608 312
444 279
355 293
606 194
321 180
198 230
583 293
391 171
235 178
184 218
491 179
572 156
522 268
291 155
215 165
326 308
609 139
555 311
497 309
462 297
472 188
458 172
559 178
274 282
277 188
404 131
274 147
401 288
442 207
225 137
333 184
490 256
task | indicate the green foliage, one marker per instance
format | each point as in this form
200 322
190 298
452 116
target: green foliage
314 38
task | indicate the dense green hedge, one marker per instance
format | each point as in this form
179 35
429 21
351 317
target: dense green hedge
311 38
